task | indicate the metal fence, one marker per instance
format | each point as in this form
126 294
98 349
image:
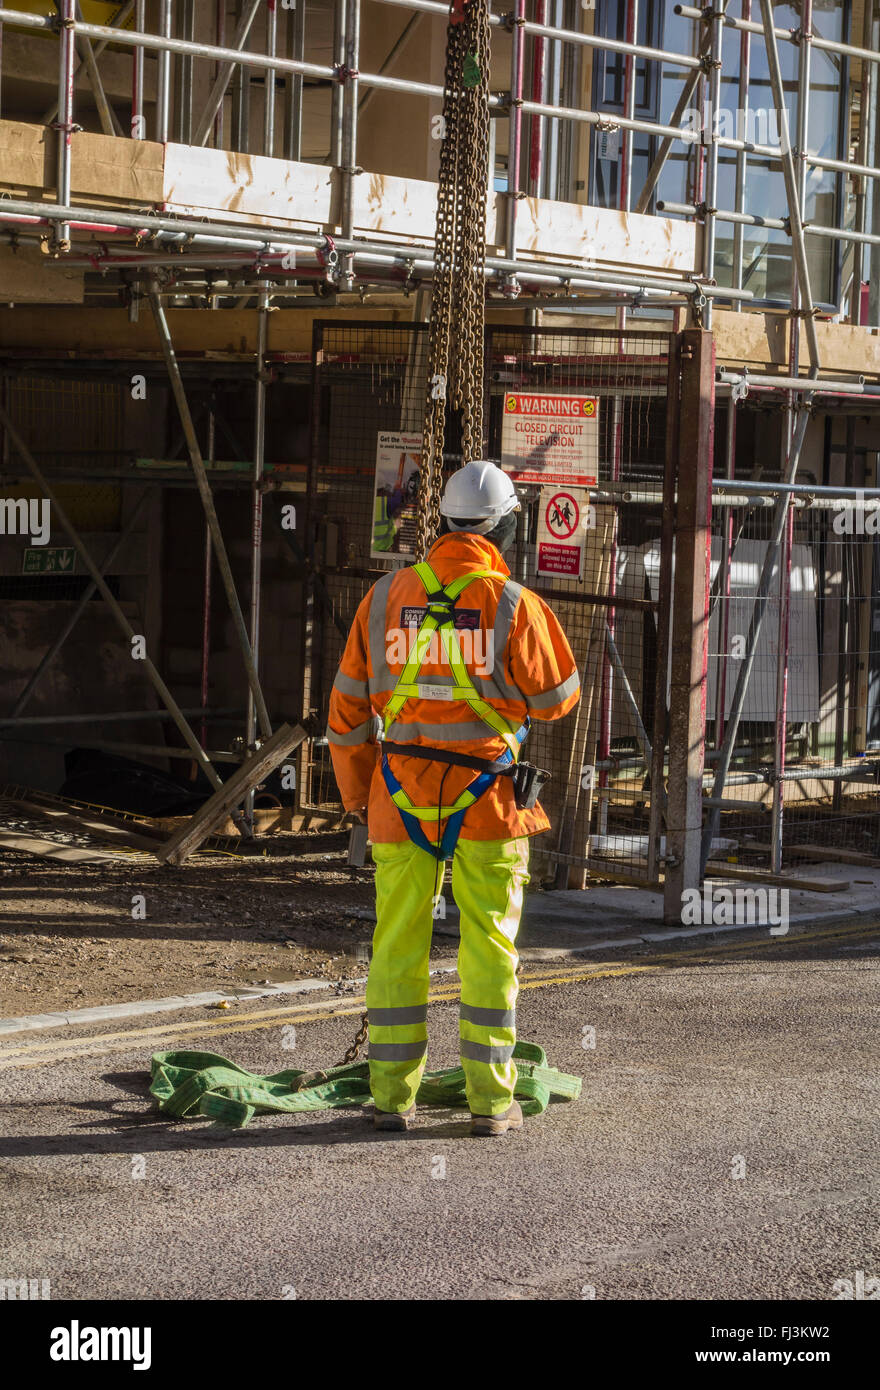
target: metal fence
369 385
803 778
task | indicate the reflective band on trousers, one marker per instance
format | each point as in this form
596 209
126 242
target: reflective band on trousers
487 1018
397 1052
408 1013
480 1052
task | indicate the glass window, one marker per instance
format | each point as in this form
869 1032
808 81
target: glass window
765 254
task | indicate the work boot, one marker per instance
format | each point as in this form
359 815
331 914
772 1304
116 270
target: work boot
511 1118
394 1119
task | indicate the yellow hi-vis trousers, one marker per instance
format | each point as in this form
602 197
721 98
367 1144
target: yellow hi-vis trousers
488 879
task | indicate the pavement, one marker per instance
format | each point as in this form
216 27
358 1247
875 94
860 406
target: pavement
564 924
725 1145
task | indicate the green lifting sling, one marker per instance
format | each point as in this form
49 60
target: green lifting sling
191 1084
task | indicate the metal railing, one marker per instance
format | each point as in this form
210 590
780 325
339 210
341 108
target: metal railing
701 72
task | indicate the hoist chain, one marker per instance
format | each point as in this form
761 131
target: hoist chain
360 1037
458 295
455 338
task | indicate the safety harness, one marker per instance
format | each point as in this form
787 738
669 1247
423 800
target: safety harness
440 617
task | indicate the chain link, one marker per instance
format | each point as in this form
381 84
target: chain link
357 1043
458 297
458 293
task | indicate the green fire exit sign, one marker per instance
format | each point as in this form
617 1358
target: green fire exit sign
51 559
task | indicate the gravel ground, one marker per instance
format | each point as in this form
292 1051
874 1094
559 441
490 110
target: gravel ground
68 938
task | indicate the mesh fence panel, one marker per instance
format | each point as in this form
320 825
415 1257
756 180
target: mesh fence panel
369 386
599 798
813 691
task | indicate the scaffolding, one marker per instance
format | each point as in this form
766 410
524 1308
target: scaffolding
144 258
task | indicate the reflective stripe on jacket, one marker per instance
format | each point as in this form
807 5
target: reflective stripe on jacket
520 663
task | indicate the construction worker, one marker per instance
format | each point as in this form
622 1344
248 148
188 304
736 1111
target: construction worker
455 658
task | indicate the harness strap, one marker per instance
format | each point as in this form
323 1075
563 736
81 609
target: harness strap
501 767
441 600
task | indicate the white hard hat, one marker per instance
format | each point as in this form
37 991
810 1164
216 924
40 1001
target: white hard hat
478 492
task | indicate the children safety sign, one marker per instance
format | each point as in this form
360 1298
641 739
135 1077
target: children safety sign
564 516
550 438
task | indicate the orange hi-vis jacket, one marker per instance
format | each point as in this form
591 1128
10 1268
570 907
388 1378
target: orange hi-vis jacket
517 656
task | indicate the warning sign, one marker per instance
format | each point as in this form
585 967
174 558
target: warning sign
550 438
563 517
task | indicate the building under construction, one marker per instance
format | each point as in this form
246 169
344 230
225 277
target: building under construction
219 259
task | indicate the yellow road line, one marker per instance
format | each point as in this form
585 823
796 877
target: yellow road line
312 1013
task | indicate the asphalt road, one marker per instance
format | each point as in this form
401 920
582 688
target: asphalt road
725 1146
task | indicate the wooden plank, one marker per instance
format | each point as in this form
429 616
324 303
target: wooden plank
202 182
604 236
268 820
395 207
23 153
761 341
26 279
122 170
199 181
228 334
844 348
103 166
74 820
717 869
832 854
231 794
754 340
48 849
33 58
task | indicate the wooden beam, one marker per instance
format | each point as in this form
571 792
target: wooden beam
132 174
29 58
50 849
760 342
203 182
800 885
231 794
221 334
70 819
103 167
690 621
